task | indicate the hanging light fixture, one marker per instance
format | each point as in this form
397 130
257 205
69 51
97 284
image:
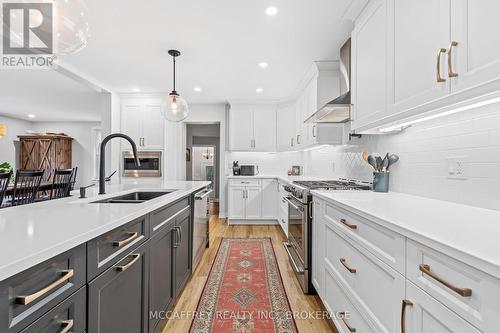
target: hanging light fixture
71 23
3 130
177 107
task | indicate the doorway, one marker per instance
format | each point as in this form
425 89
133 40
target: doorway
203 157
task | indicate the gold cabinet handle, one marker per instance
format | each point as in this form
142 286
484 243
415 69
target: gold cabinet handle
343 261
464 292
132 236
451 73
24 300
438 66
136 257
403 314
350 226
67 326
342 316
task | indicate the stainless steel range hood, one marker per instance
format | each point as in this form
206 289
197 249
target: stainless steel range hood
339 109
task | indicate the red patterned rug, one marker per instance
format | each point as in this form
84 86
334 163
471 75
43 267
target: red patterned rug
244 292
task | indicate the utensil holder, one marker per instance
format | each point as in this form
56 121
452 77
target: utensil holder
381 182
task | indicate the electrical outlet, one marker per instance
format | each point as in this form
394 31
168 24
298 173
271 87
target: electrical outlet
455 167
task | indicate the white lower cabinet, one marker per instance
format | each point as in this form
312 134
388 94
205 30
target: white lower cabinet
360 271
253 200
424 314
434 293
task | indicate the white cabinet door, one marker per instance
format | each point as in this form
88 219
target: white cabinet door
240 128
420 30
264 128
253 208
427 315
299 121
269 199
152 127
318 246
475 27
369 65
237 202
285 127
132 122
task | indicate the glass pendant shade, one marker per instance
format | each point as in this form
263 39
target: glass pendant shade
177 108
71 25
3 130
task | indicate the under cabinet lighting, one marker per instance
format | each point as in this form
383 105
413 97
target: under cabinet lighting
136 90
259 90
31 116
401 126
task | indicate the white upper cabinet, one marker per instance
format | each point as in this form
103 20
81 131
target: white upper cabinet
475 28
144 123
421 31
369 65
414 59
252 127
285 134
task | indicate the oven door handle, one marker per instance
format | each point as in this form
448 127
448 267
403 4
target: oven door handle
296 268
293 205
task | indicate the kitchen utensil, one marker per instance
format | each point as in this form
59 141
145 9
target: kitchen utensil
385 163
372 162
393 160
365 156
381 182
379 163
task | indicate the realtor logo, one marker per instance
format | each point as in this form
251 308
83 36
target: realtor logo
27 34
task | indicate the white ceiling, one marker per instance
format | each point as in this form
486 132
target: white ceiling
222 42
49 95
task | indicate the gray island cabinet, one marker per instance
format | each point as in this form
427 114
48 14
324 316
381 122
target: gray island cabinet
122 281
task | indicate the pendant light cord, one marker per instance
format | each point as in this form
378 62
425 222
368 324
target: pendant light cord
174 73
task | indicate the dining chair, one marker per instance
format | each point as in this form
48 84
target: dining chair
61 182
26 186
4 183
73 180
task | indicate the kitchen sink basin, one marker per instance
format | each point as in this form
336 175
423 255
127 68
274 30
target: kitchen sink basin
134 197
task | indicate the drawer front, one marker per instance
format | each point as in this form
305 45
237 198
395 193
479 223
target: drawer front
28 295
346 317
68 316
426 315
244 182
450 281
387 245
105 250
361 271
165 215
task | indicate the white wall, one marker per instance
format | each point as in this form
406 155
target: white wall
81 132
10 143
423 149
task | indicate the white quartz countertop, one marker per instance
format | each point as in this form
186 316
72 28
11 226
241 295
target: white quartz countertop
468 233
283 178
31 234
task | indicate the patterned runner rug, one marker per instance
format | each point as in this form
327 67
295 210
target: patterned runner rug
244 292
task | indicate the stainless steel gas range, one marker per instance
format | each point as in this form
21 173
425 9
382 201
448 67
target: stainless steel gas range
300 219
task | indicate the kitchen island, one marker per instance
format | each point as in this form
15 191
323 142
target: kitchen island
71 258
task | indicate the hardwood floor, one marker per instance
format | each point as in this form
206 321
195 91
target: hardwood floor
188 300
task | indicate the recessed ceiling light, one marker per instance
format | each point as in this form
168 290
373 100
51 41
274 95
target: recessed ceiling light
31 116
197 89
259 90
136 90
271 11
263 64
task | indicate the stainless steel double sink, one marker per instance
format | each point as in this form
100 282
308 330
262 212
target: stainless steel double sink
133 198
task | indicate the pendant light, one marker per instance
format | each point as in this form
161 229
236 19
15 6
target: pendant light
177 107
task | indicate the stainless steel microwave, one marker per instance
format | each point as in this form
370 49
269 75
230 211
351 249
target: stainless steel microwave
249 170
150 164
